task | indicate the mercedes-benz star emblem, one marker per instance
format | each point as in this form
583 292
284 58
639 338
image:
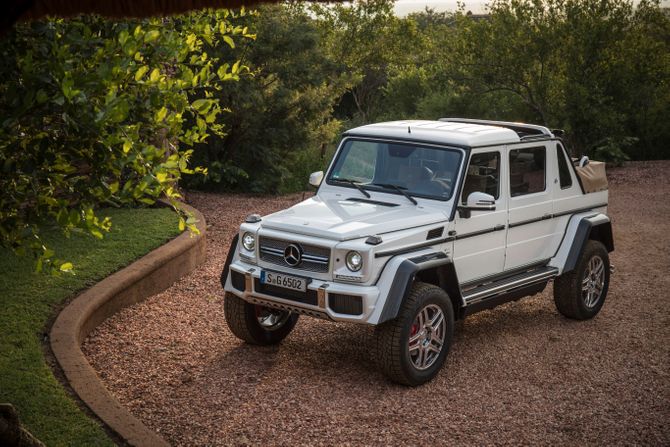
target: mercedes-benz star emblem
293 254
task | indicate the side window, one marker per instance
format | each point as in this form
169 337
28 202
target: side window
527 170
483 175
563 168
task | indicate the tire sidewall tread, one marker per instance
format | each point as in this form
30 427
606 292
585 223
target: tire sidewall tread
568 287
242 322
391 338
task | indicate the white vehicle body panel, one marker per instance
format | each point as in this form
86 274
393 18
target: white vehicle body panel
483 255
522 231
332 216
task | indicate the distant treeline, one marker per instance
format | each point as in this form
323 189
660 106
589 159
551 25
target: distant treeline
599 70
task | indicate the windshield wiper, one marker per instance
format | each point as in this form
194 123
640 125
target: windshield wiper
354 183
400 189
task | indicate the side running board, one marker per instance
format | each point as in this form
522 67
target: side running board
507 289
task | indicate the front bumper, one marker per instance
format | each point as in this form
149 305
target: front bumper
323 298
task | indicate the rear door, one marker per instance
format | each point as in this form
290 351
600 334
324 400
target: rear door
531 227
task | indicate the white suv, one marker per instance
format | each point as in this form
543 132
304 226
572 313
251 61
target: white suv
417 224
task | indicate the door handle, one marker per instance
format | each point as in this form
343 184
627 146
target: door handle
499 227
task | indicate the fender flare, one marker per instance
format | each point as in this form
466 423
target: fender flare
437 263
229 260
588 230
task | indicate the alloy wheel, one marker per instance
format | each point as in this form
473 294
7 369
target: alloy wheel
593 282
426 336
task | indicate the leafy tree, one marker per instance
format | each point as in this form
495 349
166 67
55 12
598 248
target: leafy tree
95 113
282 121
371 42
598 69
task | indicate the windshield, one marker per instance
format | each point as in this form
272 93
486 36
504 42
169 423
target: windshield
416 169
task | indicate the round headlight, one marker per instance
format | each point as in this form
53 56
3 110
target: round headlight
248 241
354 261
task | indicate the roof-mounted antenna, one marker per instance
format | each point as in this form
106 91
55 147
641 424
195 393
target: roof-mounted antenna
409 130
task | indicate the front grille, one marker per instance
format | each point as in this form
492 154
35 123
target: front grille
309 297
314 258
345 304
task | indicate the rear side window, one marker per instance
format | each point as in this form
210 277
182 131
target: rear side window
527 170
563 168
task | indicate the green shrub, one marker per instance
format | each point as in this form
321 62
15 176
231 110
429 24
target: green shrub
101 112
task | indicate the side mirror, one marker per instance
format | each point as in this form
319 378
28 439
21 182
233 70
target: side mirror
477 201
315 178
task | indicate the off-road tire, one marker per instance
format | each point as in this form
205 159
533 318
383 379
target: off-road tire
243 323
568 286
391 339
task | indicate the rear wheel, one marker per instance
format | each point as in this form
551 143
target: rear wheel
255 324
580 293
412 348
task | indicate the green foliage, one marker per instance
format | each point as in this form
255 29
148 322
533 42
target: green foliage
99 112
29 300
371 43
281 125
613 149
599 70
114 112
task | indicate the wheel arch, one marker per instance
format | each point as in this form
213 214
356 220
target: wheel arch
433 268
589 229
603 232
229 260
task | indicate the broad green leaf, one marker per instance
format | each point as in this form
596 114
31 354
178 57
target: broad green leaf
160 114
202 105
141 72
151 36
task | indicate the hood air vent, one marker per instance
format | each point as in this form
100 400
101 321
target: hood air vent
435 233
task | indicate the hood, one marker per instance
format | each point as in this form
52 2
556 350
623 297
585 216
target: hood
343 219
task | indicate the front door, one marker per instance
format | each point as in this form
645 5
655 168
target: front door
479 247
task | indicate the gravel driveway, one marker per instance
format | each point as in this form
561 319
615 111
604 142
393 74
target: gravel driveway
518 374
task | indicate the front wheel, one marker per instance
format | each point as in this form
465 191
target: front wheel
255 324
580 293
412 348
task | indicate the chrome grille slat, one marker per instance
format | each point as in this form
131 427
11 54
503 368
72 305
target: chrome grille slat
314 258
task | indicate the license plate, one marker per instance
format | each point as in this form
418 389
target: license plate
285 281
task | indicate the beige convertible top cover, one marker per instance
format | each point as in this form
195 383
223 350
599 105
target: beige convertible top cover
593 176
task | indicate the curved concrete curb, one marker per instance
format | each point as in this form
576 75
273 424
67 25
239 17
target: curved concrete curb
147 276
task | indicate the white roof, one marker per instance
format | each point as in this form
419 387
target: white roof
440 132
